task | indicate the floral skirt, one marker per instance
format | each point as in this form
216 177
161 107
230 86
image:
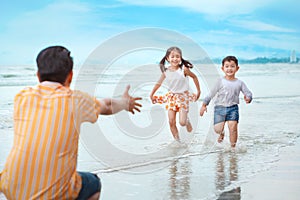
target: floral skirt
176 101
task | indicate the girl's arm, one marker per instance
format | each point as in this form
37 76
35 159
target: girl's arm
189 73
156 86
109 106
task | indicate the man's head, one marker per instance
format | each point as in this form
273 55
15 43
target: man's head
54 64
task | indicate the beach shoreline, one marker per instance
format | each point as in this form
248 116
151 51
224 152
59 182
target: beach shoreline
281 181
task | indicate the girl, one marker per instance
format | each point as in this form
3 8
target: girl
178 97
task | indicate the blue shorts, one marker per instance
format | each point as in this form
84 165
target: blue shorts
91 184
223 114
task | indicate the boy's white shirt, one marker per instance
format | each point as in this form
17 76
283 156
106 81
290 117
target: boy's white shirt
227 92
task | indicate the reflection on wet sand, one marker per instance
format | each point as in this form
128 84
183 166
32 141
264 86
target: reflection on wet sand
226 174
179 179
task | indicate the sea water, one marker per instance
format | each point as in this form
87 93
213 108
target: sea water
137 158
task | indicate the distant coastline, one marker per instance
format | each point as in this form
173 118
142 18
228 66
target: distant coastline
258 60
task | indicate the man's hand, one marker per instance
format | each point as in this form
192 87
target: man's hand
132 105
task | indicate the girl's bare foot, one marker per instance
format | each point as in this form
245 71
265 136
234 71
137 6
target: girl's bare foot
189 127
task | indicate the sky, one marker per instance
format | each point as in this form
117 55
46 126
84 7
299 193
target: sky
245 28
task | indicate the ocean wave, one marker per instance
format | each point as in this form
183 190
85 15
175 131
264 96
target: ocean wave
276 97
6 119
167 158
24 83
8 75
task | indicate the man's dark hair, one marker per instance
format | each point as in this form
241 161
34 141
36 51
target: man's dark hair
230 58
54 64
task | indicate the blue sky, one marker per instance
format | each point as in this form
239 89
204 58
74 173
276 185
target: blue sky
247 29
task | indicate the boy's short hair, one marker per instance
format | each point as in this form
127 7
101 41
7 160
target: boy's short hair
230 58
54 64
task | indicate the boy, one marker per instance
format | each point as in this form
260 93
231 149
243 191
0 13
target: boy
227 90
42 162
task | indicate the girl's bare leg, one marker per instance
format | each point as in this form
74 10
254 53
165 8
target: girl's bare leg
172 123
233 130
219 129
184 120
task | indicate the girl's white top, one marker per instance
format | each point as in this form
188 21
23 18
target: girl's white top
176 80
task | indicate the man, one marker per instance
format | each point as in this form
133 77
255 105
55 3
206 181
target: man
47 118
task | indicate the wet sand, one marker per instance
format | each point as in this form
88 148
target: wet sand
282 181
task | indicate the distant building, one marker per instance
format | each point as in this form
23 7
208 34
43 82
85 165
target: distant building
293 57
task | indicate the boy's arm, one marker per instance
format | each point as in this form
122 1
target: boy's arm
203 109
111 106
213 92
208 98
188 72
247 93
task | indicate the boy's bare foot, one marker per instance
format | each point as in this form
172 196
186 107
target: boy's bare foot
189 127
221 137
176 137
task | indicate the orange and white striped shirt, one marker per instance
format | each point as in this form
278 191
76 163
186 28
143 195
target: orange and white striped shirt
42 162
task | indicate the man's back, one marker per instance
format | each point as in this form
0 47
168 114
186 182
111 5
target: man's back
42 162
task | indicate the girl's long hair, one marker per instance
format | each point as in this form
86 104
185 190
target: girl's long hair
164 59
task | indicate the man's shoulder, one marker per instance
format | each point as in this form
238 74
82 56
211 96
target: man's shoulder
80 96
25 91
79 93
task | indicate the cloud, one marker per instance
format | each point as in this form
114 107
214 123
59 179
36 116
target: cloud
259 26
246 45
81 26
60 23
53 18
214 8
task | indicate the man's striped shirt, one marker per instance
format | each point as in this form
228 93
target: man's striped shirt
42 162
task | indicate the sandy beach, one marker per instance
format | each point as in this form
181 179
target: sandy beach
281 181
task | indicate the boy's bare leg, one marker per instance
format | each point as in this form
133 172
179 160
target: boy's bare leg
184 120
95 196
219 129
233 130
172 123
